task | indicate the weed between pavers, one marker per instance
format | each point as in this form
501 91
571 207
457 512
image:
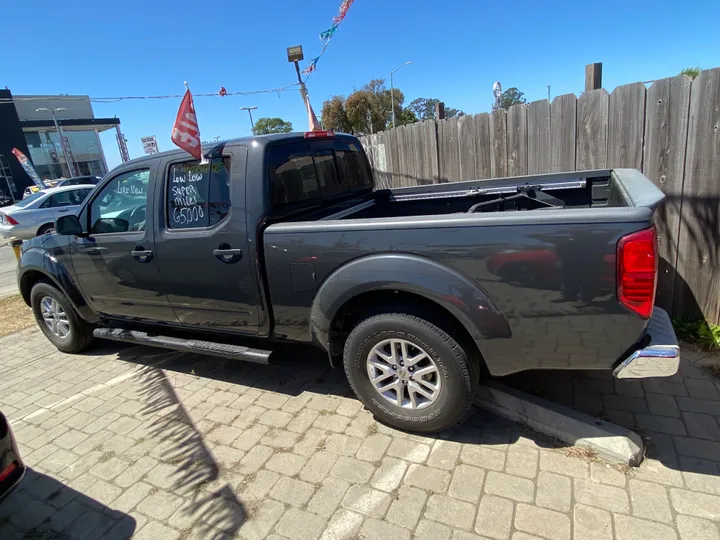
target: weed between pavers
588 454
624 468
699 332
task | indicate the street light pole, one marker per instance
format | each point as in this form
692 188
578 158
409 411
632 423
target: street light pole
392 90
249 109
68 158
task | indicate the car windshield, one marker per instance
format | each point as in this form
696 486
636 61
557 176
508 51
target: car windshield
30 199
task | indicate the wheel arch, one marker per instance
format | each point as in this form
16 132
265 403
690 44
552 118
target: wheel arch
41 227
381 281
31 275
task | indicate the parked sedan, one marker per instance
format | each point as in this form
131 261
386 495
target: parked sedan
35 215
12 468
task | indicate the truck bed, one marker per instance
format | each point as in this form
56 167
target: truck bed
596 189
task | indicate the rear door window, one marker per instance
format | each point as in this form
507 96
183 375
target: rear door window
198 195
67 198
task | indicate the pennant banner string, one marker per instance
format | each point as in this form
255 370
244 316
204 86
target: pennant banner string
327 35
221 93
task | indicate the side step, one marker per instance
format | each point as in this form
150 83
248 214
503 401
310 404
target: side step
212 348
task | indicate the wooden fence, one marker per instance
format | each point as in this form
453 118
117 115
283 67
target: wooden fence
670 131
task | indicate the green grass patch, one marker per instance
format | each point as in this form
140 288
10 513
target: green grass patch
702 333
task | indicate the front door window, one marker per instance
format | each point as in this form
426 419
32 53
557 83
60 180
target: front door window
121 205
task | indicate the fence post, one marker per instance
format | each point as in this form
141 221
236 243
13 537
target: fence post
440 111
593 76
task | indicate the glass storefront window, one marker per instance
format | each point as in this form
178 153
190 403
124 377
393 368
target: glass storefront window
47 155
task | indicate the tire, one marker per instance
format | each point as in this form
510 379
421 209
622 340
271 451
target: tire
456 374
48 228
79 335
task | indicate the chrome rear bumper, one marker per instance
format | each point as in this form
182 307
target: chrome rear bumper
660 358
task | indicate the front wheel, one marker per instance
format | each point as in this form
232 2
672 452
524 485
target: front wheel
58 320
410 373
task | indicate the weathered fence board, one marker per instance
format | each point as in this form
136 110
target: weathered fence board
430 149
697 286
592 123
411 158
626 113
517 140
449 150
466 136
563 133
483 145
498 144
666 126
539 137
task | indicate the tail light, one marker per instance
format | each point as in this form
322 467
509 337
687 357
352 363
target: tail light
637 265
7 219
319 134
8 471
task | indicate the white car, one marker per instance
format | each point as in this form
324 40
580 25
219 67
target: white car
36 214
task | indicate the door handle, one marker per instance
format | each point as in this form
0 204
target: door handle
62 211
142 255
227 254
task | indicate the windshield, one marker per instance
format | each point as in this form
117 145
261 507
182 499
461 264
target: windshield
30 199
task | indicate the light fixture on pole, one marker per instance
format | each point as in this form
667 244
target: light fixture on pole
249 109
295 55
64 145
392 90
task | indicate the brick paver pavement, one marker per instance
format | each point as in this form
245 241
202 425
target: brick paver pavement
159 445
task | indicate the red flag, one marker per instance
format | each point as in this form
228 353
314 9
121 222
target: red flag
186 133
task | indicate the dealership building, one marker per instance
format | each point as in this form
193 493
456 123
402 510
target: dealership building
26 123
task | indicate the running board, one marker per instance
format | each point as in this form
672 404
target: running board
224 350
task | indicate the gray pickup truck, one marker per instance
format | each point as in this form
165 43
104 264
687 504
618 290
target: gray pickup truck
418 292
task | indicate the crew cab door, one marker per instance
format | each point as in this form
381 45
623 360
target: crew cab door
202 241
115 262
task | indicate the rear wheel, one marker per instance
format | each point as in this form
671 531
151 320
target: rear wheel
48 228
409 372
57 319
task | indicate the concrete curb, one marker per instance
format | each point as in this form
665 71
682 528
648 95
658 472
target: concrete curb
610 441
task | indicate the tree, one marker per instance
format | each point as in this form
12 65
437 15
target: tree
405 117
510 97
691 72
424 109
369 109
334 115
263 126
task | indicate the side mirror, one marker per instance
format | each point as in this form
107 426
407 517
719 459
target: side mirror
68 226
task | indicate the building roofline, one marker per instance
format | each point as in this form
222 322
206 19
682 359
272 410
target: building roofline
104 123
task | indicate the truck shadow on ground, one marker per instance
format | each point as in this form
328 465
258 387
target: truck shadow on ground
44 508
297 369
294 370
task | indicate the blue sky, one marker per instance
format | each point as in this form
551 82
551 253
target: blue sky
457 48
